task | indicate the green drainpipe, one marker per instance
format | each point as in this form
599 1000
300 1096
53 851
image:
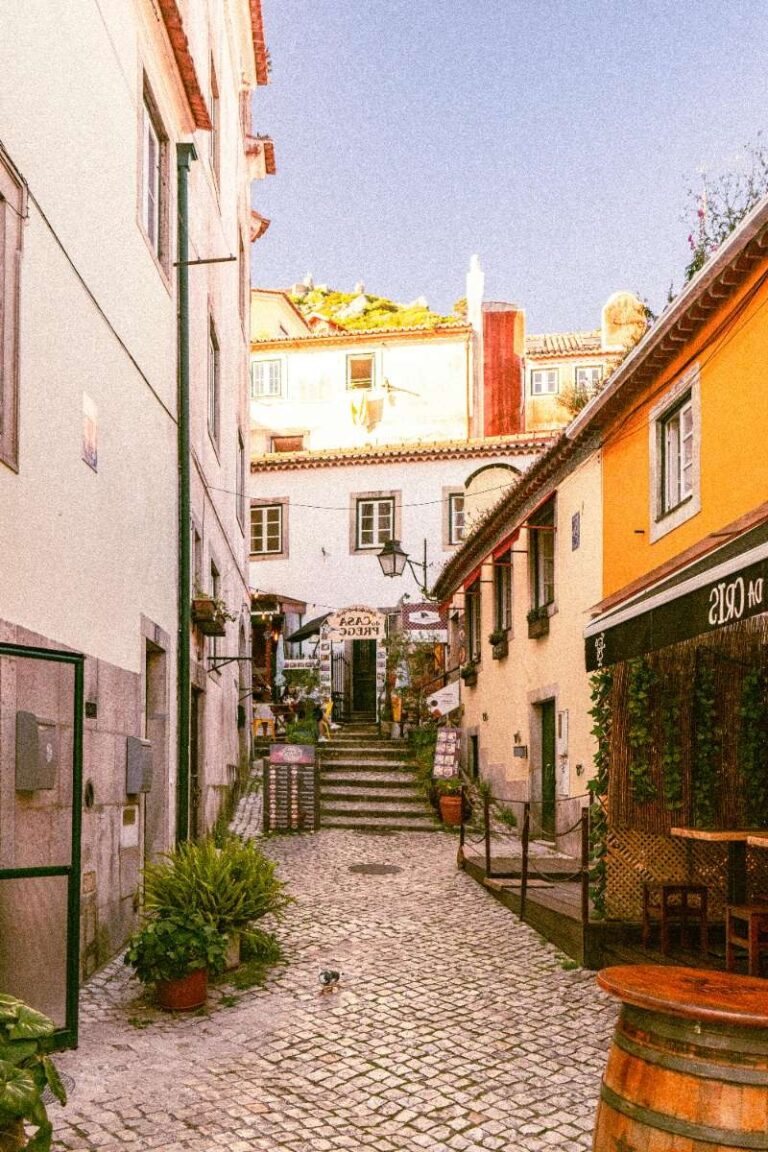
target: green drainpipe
185 154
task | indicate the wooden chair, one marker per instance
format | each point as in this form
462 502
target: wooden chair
676 903
746 926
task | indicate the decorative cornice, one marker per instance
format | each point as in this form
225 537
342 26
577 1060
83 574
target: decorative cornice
519 445
169 11
260 53
366 335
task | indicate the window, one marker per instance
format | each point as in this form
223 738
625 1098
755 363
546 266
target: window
266 529
472 622
214 139
545 381
266 378
154 179
240 480
13 208
541 549
588 378
213 382
502 592
455 517
287 443
675 439
375 522
360 372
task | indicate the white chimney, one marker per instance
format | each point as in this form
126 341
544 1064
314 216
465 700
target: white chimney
475 290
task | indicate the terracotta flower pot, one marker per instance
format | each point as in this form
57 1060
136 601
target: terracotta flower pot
190 991
450 810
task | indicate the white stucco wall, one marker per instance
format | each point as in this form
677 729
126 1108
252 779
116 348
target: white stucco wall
321 567
428 400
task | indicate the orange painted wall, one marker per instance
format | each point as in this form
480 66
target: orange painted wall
733 365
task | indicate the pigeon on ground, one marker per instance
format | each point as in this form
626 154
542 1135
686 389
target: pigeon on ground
329 979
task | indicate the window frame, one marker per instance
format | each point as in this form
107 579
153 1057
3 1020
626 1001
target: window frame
279 505
369 382
684 395
555 372
456 532
502 592
214 382
542 527
150 119
13 212
473 622
596 369
377 503
257 394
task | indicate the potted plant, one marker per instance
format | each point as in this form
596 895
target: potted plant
210 614
538 622
448 790
499 643
26 1070
231 885
468 674
175 951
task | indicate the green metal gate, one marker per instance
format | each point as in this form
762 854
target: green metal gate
41 767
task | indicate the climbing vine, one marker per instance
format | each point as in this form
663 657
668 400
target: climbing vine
672 753
601 685
753 746
640 686
704 775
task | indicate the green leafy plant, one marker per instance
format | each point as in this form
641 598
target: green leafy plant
540 612
231 886
640 689
174 943
26 1070
449 785
505 815
260 952
753 746
468 672
704 782
601 694
498 636
672 753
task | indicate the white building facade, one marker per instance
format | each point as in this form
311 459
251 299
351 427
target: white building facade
154 102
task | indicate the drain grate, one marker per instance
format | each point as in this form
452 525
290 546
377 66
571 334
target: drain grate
67 1081
375 869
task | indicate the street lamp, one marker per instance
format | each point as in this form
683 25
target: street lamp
393 560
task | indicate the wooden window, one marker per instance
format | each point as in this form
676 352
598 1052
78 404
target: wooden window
455 518
266 529
677 455
541 548
13 209
588 378
266 378
287 443
502 592
545 381
472 622
214 382
375 522
360 372
154 179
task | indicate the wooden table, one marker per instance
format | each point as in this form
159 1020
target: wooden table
737 840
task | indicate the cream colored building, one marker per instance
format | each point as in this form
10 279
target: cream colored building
109 112
520 590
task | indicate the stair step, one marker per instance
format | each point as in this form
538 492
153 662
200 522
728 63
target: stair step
382 823
353 782
374 795
366 806
364 765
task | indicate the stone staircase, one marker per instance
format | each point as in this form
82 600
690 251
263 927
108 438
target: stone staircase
368 783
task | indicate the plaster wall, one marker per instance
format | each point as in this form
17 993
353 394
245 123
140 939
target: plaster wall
428 399
321 567
505 702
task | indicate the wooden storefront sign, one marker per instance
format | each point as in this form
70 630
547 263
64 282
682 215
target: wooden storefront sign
291 789
447 751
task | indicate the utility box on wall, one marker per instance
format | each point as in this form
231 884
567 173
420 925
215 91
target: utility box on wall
138 765
37 753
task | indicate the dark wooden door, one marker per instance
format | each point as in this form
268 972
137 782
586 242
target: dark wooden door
195 789
548 767
364 676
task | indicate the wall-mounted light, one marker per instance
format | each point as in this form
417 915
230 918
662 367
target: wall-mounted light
393 559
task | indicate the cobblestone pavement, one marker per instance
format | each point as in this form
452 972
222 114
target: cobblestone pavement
454 1027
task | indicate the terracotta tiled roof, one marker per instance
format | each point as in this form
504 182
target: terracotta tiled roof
169 10
366 334
259 46
518 445
564 344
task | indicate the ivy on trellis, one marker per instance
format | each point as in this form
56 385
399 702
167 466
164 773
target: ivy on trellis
641 681
601 685
753 746
704 775
672 753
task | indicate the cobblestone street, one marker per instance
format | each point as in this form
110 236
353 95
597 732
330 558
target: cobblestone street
454 1027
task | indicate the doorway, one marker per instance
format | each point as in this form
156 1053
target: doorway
547 715
364 678
195 785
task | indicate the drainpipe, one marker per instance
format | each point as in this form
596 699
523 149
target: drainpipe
185 154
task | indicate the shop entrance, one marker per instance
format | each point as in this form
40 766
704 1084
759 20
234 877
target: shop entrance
364 679
547 713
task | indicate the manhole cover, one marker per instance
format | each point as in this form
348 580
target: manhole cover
67 1081
375 869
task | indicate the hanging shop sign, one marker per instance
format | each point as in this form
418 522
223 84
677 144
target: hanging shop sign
447 752
308 662
445 700
708 599
425 623
355 623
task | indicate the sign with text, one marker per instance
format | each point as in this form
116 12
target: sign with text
306 662
355 623
291 789
447 751
443 701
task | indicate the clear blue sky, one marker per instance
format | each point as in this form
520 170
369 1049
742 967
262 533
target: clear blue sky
555 138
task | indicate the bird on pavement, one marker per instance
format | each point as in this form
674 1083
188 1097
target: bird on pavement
329 980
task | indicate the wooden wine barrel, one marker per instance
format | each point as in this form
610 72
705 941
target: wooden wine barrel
688 1067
